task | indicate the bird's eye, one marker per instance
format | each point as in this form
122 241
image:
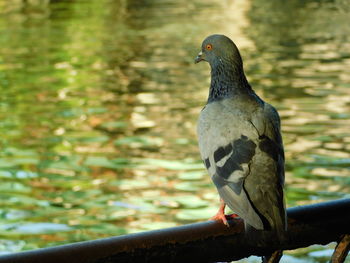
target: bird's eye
209 47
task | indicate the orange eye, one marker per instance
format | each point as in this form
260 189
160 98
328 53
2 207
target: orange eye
209 47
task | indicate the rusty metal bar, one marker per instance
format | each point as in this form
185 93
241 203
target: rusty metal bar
341 250
201 242
273 258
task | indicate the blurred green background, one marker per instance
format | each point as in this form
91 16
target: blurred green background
99 102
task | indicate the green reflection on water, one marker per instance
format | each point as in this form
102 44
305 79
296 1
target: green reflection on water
100 99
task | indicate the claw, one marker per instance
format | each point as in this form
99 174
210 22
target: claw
220 215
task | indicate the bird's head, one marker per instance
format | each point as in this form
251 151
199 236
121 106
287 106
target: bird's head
218 49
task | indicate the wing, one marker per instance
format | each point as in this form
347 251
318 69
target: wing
267 170
234 148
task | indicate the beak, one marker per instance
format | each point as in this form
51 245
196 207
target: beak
199 58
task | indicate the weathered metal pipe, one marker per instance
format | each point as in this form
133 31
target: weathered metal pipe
341 250
201 242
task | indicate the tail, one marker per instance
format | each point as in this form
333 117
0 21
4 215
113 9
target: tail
274 232
279 223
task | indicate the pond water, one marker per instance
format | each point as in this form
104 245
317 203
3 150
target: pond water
99 102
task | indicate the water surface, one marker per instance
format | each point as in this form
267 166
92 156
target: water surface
99 102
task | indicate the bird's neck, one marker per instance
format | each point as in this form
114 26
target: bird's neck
227 81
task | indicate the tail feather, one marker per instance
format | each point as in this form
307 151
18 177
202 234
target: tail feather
278 228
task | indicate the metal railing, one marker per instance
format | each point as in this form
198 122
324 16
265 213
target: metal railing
208 241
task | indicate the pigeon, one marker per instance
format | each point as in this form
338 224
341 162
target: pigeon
240 142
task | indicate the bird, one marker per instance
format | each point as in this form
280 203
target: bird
240 142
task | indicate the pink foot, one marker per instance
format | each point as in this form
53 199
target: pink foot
220 215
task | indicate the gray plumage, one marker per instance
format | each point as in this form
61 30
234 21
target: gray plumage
240 141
